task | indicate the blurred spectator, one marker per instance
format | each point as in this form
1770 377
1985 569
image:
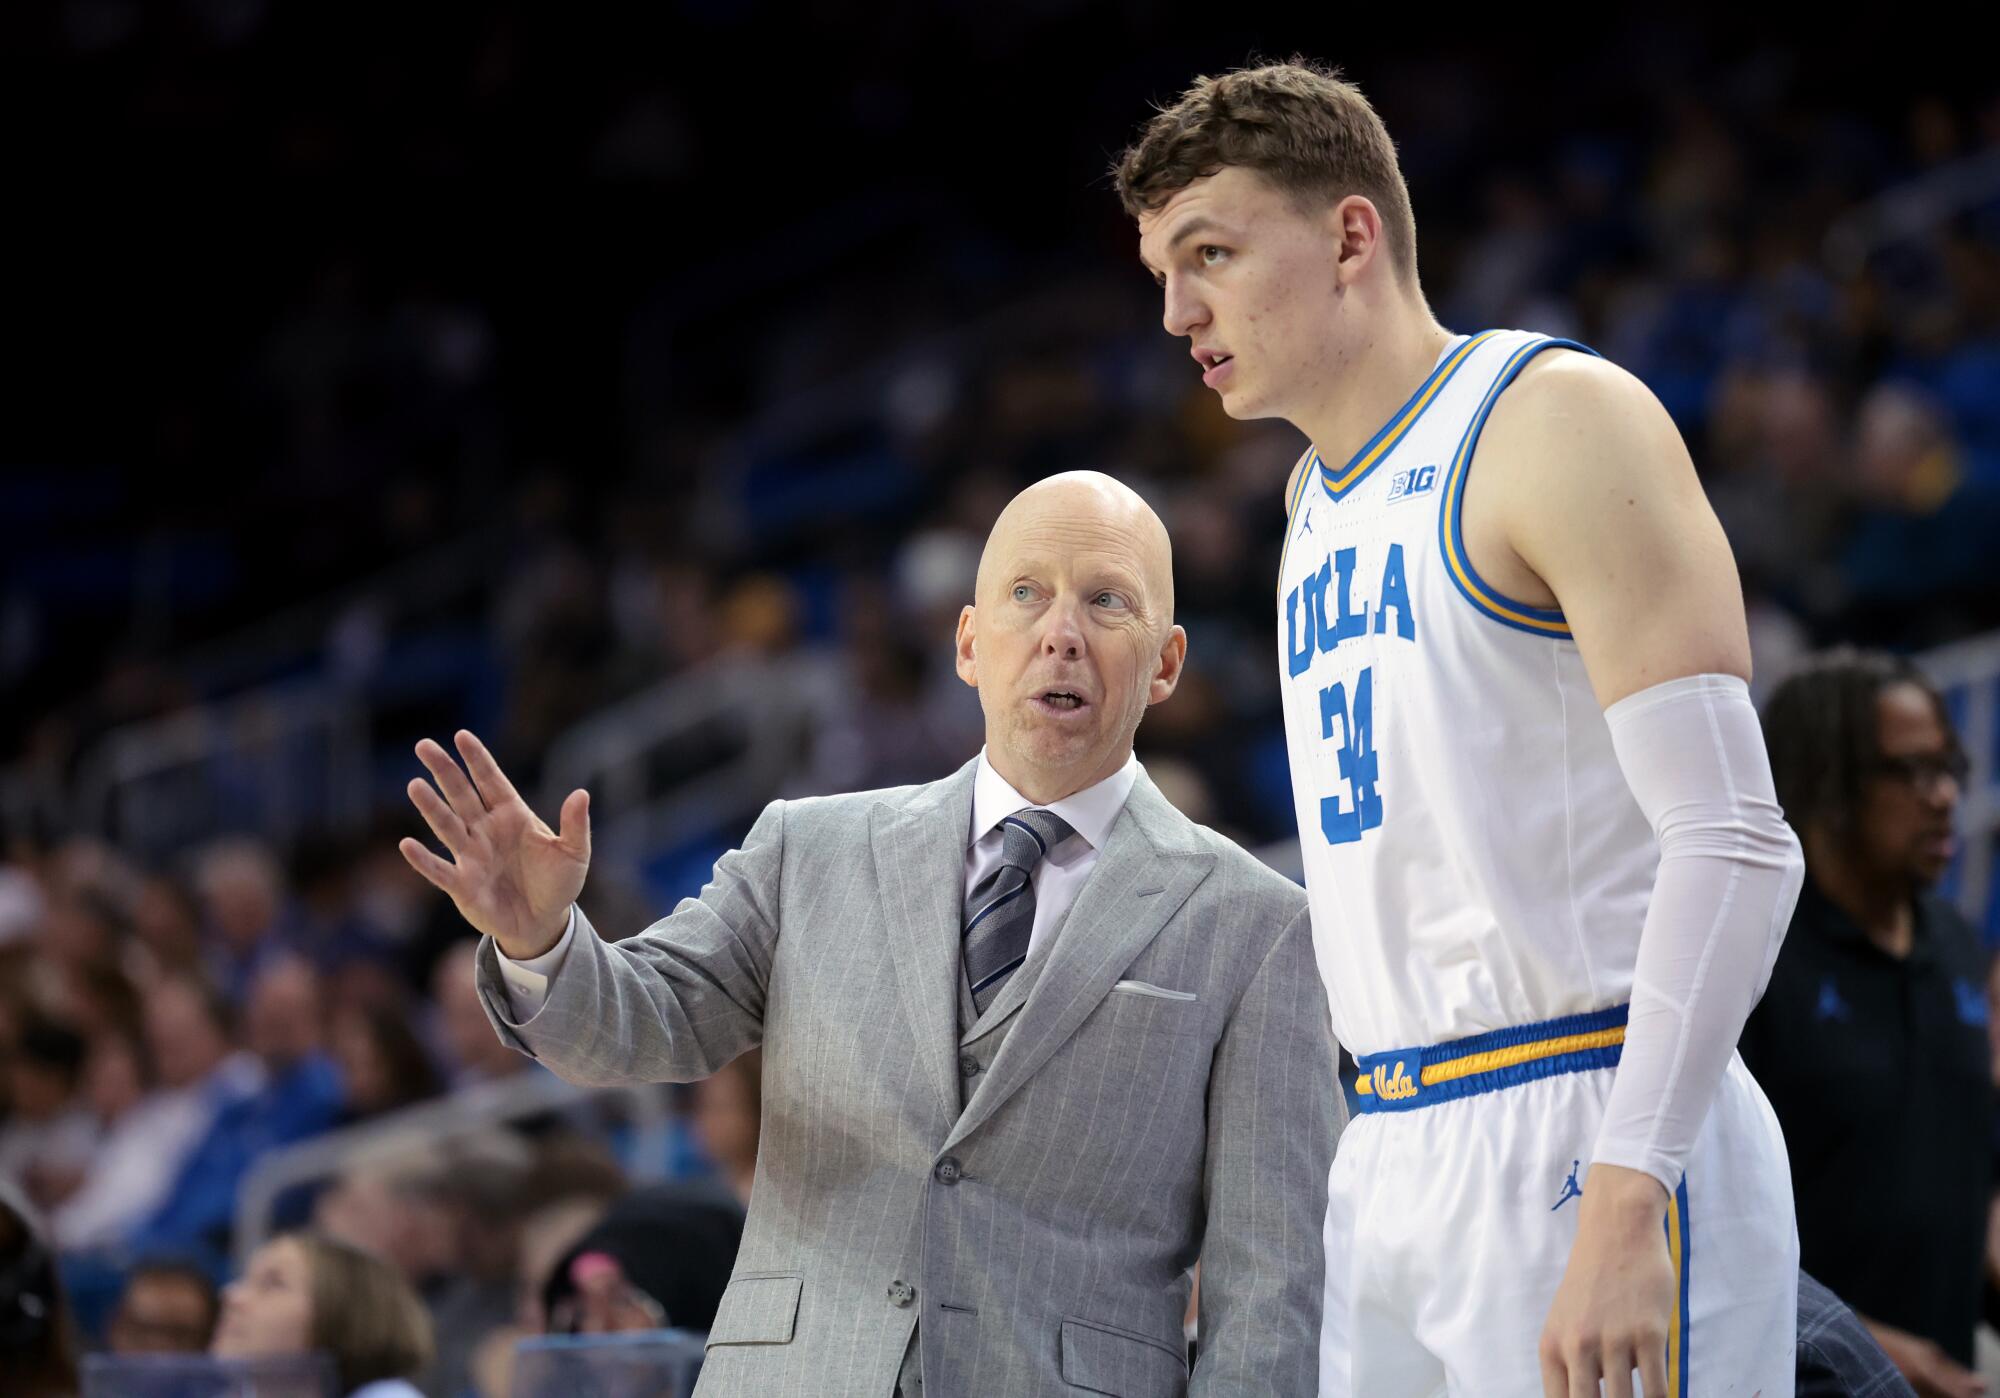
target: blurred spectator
382 1063
166 923
144 1131
167 1308
1871 1039
447 1215
473 1052
301 1293
298 1095
49 1132
37 1336
391 1203
728 1111
187 1038
660 1257
1918 560
242 892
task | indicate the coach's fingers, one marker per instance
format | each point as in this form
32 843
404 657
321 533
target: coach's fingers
486 773
451 780
443 821
574 824
440 873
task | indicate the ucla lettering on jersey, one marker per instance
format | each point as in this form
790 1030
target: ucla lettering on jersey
1472 854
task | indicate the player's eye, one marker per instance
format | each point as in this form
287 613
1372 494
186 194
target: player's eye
1213 256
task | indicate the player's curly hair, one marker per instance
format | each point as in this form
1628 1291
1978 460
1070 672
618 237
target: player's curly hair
1297 123
1822 728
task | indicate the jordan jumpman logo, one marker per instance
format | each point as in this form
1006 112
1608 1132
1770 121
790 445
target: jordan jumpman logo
1571 1189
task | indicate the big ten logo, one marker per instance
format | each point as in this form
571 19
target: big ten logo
1418 480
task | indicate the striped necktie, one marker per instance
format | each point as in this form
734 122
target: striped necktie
1000 910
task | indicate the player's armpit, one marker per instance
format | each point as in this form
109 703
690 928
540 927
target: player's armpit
1591 488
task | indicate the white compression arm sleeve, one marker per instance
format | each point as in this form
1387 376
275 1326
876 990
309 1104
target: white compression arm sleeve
1730 873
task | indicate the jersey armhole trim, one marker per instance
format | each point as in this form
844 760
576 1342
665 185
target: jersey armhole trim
1486 599
1295 495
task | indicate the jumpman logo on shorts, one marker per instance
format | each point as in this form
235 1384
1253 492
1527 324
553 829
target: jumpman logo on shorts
1571 1189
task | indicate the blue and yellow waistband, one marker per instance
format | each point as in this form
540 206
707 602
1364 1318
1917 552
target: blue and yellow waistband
1406 1079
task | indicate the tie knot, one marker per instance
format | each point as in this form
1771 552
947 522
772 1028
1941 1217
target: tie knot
1029 836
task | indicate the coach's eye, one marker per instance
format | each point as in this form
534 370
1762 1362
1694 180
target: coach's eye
1023 593
1109 599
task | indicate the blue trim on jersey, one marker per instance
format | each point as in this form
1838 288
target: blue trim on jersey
1686 1265
1484 597
1589 1023
1362 464
1533 1070
1296 498
1404 1068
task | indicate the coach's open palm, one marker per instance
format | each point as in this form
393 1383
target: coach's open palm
510 875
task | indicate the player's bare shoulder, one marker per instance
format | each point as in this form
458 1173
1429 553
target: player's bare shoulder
1572 442
1567 413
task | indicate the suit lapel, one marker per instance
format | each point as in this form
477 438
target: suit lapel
920 864
1147 869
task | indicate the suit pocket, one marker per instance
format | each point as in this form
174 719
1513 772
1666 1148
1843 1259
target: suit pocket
1157 991
1132 1011
757 1309
1102 1358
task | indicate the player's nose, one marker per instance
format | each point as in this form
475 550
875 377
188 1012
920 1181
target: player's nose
1184 311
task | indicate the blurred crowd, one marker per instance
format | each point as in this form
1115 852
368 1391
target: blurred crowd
510 487
161 1035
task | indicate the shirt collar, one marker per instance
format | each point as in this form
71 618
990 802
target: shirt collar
1833 922
1090 812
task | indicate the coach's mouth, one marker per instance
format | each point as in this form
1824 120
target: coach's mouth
1061 704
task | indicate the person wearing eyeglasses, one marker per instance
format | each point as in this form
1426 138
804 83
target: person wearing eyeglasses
1871 1040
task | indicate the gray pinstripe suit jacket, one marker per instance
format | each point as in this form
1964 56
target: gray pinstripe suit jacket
1039 1219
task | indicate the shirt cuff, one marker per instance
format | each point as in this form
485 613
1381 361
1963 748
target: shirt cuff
527 982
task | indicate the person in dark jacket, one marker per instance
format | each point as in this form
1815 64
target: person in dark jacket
1871 1040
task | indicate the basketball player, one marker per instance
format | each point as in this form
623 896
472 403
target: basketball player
1547 872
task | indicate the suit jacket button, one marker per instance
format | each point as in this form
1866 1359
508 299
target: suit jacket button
948 1171
969 1066
902 1293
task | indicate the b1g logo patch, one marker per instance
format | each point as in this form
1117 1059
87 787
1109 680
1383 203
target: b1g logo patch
1418 480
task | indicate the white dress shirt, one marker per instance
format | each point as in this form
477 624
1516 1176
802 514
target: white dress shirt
1057 879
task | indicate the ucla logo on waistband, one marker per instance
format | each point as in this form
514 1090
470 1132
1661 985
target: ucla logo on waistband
1392 1082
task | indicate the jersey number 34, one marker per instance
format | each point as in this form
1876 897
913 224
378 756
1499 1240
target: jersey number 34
1343 823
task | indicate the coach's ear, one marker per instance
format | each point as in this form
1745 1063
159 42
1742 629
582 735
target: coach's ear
1173 659
968 666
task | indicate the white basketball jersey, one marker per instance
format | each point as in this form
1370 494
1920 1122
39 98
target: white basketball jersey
1473 856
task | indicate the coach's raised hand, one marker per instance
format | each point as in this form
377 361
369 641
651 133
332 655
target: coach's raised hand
511 876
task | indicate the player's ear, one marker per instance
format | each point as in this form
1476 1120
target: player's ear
1173 658
968 665
1356 226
